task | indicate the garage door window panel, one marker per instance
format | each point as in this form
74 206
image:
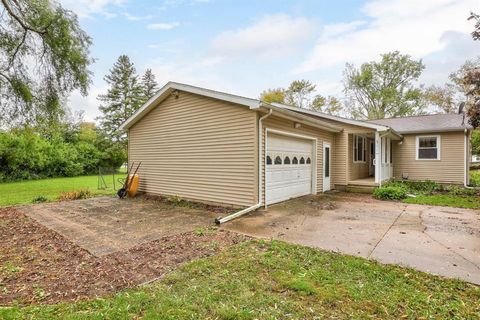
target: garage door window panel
269 160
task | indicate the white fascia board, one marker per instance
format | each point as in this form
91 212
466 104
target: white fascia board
171 86
433 131
335 118
295 116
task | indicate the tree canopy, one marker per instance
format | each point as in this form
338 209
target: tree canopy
122 99
149 85
44 55
384 88
300 94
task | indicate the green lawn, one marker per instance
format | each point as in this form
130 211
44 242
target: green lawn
468 202
24 192
276 280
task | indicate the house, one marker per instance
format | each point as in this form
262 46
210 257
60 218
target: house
216 147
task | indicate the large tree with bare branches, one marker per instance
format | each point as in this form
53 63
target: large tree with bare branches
44 55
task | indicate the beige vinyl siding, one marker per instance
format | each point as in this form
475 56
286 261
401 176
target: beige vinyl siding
343 168
449 169
198 148
357 170
277 123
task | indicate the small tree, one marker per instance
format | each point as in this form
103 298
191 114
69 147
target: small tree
298 94
123 98
443 97
384 88
273 95
329 105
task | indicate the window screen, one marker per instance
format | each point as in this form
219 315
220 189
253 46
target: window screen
428 147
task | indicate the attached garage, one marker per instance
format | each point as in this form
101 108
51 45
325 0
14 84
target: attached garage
290 169
213 147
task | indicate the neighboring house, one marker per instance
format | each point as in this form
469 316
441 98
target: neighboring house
220 148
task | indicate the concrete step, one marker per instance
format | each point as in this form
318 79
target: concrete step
360 188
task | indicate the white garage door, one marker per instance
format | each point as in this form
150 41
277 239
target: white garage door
289 167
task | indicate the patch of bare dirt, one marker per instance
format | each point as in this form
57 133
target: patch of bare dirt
38 265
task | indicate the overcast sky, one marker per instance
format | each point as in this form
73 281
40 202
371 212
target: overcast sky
244 47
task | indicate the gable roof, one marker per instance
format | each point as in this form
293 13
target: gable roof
426 123
171 87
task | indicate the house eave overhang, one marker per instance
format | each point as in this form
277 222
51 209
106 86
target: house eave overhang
358 123
300 118
459 129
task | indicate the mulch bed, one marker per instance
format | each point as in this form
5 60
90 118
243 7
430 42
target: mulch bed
38 265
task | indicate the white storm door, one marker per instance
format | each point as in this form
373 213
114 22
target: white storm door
327 166
289 164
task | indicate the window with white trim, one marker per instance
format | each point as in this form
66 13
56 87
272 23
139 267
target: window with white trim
359 150
428 148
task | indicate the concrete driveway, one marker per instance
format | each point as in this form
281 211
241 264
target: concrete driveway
439 240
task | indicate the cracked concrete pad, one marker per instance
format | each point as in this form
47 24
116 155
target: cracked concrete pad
443 241
107 224
408 243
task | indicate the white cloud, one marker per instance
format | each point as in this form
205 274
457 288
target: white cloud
410 26
163 26
271 36
132 17
89 104
86 8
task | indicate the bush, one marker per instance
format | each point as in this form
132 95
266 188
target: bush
475 178
26 154
39 199
426 186
459 191
75 195
390 192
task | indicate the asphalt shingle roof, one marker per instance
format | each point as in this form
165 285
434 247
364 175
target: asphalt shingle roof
425 123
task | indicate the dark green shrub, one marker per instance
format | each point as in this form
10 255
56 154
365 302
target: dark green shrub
39 199
459 191
26 154
390 192
426 186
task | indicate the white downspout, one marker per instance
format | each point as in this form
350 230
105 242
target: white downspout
260 165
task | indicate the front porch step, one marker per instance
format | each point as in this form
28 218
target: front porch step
357 188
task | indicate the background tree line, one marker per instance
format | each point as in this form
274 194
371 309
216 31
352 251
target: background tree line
69 146
389 88
44 56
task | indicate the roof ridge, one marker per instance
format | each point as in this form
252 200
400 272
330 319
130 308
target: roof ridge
416 116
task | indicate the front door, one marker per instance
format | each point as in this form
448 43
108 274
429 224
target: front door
326 166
